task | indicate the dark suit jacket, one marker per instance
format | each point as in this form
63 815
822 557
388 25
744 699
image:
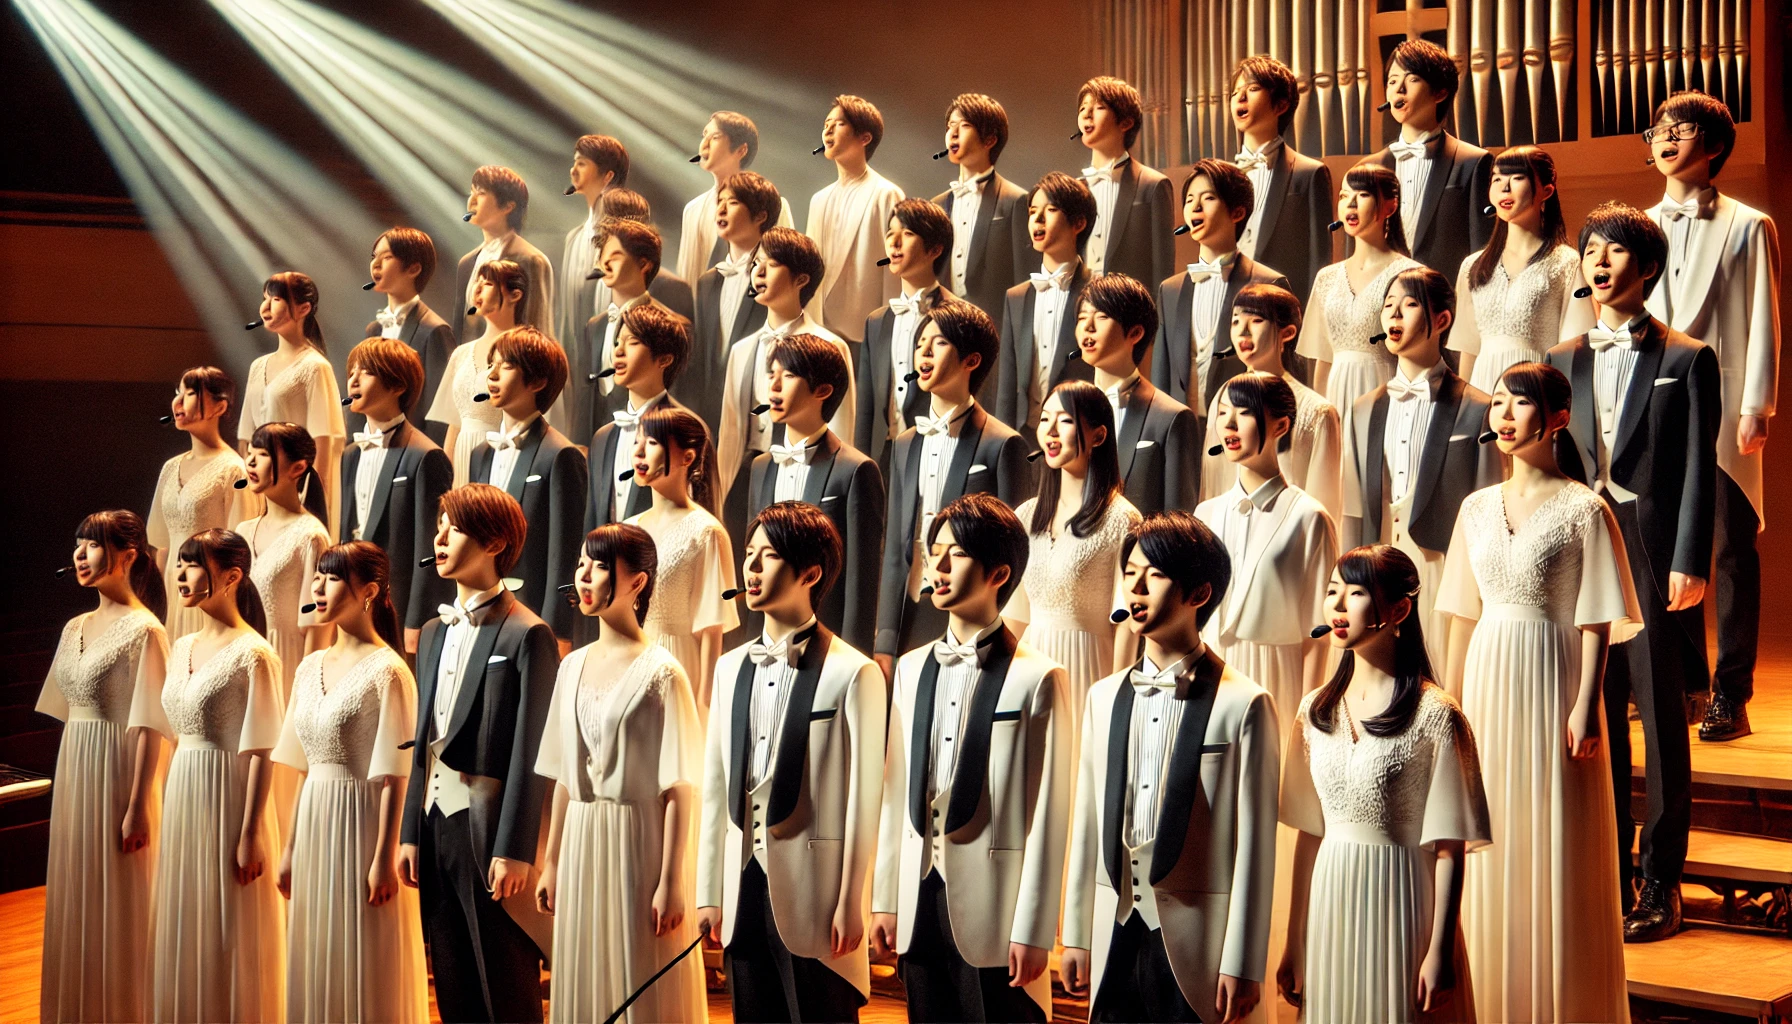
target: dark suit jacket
1453 465
1171 360
1451 224
673 292
1666 447
539 308
874 372
432 339
990 458
495 731
1016 361
1292 234
588 407
1160 451
549 482
401 519
1140 242
700 386
1000 251
601 472
844 483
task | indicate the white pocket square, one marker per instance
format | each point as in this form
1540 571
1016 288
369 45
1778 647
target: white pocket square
978 468
1144 444
400 479
1659 381
496 659
829 497
532 478
1458 437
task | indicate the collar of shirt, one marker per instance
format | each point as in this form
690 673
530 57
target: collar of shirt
495 248
954 416
628 304
812 441
1181 668
1063 272
517 428
1269 148
1429 137
1706 201
1431 376
388 426
1122 390
788 328
398 314
1263 498
733 263
794 642
650 403
481 600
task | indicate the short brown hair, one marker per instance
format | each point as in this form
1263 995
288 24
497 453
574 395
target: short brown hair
969 330
805 538
1232 185
931 224
626 204
488 515
817 362
1711 115
864 119
539 359
506 186
740 131
1127 302
395 364
413 248
758 195
987 116
797 252
664 332
1634 230
608 153
1277 80
640 240
1120 98
1433 64
1269 301
1072 197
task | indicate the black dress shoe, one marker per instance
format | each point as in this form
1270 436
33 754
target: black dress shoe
1657 912
1725 719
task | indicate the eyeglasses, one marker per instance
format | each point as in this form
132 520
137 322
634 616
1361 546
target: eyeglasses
1683 131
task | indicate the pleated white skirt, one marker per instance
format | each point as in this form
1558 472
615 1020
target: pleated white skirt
220 950
1276 668
604 944
97 899
1087 657
1355 374
1540 907
347 960
1499 355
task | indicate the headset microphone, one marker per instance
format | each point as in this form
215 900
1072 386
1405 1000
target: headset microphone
1318 631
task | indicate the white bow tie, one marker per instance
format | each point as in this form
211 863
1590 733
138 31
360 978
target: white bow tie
1201 270
1046 282
902 305
454 614
1408 150
729 268
388 317
501 441
1400 390
1248 161
949 655
1602 337
627 420
375 438
1095 176
928 426
783 652
1147 682
784 455
960 189
778 333
614 313
1675 211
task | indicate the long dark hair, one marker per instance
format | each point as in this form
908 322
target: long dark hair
289 443
625 544
1389 576
118 531
1088 406
297 289
677 427
362 562
1384 185
1540 167
216 550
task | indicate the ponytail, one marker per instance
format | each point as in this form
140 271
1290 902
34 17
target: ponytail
361 562
118 531
147 584
297 289
249 606
218 550
311 490
290 443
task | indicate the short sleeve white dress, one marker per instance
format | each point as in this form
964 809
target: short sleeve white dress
193 496
1313 462
1518 319
304 393
696 565
453 404
1339 328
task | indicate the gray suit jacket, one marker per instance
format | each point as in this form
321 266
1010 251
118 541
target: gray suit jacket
1171 360
1292 234
1160 451
549 482
844 483
875 373
401 519
1451 224
1453 465
538 307
700 386
1018 357
432 339
989 458
588 407
1000 250
1140 243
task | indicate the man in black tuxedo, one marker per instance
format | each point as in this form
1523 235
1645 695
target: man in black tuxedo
403 262
1160 438
746 205
991 247
917 246
1038 324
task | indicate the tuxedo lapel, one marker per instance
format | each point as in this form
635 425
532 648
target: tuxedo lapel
1434 189
1129 187
1066 341
525 458
964 454
485 638
1437 441
749 317
1132 424
1584 422
920 744
793 732
1694 288
396 451
971 770
816 484
911 500
412 321
989 192
429 662
1642 389
882 346
1026 350
1181 311
1260 538
740 723
1113 818
1374 467
1272 202
1182 787
605 491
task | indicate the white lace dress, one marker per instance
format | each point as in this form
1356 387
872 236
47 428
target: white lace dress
1380 804
1314 459
220 946
1338 328
96 897
194 496
619 743
1541 908
348 960
454 405
696 565
1070 588
1516 320
304 393
285 558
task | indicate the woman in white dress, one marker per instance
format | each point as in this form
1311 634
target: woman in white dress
295 383
1537 571
220 933
624 744
285 542
1282 544
676 459
1383 782
106 683
1344 308
1075 528
1515 298
1265 321
355 941
196 491
500 297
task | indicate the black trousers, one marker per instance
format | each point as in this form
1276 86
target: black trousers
1738 583
1656 669
766 981
1137 983
943 988
486 967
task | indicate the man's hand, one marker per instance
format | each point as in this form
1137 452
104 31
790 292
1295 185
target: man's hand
1684 591
1236 998
407 864
506 877
883 934
1751 434
1075 965
848 929
1025 963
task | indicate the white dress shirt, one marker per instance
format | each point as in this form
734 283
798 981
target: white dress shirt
373 444
1259 166
903 333
770 700
1105 183
736 274
1207 294
391 318
1613 367
1050 305
487 253
446 787
1410 404
506 444
937 450
1239 521
613 313
1120 394
759 427
1413 168
793 461
1685 225
1156 717
627 420
967 199
952 693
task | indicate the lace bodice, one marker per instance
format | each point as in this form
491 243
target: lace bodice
602 702
1070 580
1309 408
1353 318
1526 309
202 503
342 725
287 396
212 699
466 376
1384 783
1540 565
103 676
687 592
283 564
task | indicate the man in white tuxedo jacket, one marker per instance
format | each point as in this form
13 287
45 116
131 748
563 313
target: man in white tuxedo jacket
976 803
1172 844
791 777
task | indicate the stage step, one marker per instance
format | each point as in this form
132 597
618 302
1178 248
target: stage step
1699 968
1761 760
1737 858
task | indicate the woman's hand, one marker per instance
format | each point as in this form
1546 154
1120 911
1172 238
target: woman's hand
133 832
668 909
250 861
1290 975
382 881
1583 731
1437 977
547 888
